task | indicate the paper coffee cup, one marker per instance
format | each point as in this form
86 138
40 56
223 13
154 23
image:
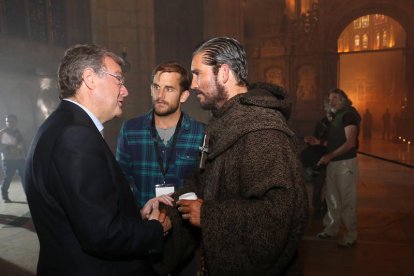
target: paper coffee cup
188 196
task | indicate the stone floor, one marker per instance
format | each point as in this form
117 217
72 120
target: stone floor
385 217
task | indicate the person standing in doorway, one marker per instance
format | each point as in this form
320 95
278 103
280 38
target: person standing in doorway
395 126
367 124
386 120
12 150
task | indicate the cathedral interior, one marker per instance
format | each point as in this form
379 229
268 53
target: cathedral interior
308 47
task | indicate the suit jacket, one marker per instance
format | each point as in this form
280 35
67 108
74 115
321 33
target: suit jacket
82 207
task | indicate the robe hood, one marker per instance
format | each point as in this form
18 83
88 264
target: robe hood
271 103
268 96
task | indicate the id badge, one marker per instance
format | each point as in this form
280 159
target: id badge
164 189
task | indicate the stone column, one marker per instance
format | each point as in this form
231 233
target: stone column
223 18
128 29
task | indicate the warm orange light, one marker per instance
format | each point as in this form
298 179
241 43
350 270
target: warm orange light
372 32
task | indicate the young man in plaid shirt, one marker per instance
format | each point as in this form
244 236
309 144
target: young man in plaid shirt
162 146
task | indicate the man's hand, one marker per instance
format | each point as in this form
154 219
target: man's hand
350 143
312 140
325 159
161 216
190 210
165 221
146 210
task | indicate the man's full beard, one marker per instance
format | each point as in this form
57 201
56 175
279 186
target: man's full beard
216 101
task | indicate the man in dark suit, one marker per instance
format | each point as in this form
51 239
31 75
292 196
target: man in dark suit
82 206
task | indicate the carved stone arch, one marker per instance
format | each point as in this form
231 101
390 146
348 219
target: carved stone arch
345 14
340 14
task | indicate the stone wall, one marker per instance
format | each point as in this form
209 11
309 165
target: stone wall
299 52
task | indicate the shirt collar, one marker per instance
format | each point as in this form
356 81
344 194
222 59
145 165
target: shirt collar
95 120
185 124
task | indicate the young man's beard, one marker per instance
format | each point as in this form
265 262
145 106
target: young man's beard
165 112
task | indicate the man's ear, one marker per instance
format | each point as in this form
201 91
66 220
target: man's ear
224 73
88 77
184 96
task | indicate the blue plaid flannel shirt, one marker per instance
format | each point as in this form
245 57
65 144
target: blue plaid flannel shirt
136 155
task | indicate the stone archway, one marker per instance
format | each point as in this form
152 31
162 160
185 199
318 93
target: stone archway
345 14
371 68
340 14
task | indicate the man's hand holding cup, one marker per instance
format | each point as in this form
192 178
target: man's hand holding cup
189 207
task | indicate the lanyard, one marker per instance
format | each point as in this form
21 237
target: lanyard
170 150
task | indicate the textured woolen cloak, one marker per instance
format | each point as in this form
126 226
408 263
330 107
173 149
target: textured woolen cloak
255 205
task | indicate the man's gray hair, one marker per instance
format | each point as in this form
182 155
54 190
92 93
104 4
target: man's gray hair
76 59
